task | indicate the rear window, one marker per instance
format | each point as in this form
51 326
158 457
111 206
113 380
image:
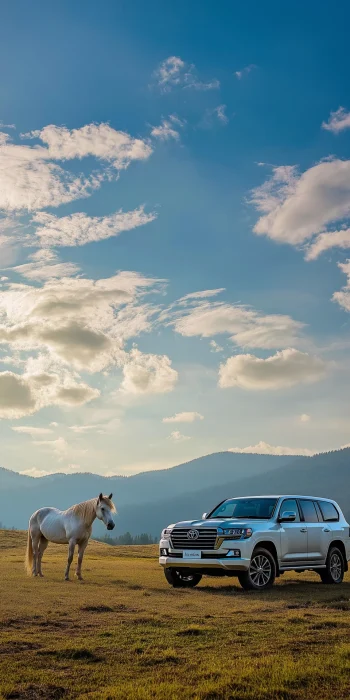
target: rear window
309 511
328 510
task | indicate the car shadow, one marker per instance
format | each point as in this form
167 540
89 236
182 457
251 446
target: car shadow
298 590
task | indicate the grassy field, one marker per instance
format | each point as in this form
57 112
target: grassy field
124 634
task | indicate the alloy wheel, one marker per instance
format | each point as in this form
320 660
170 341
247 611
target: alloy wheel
260 570
335 566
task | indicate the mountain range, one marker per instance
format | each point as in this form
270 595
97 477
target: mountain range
149 501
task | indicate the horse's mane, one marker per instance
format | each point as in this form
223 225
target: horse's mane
87 509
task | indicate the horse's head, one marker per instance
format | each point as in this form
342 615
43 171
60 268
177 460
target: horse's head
104 509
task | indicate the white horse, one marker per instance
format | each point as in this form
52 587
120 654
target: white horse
72 526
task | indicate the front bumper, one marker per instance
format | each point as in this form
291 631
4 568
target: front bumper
219 560
226 564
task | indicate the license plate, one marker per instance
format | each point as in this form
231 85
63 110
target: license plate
191 554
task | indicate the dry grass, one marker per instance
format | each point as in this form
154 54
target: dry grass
125 634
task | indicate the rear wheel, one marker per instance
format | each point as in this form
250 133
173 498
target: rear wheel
181 579
261 573
334 571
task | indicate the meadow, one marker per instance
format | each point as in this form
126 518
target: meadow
124 634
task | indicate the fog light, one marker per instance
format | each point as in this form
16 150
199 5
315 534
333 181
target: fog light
234 553
163 552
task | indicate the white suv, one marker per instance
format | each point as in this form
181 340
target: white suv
257 539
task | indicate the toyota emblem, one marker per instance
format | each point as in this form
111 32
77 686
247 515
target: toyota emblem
192 535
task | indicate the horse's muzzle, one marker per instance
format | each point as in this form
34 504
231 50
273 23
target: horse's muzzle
110 526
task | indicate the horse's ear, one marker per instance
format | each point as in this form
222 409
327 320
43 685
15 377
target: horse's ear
100 497
110 496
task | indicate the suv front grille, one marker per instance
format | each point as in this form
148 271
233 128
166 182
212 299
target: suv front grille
206 538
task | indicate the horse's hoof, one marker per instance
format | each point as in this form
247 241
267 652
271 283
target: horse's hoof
66 578
41 575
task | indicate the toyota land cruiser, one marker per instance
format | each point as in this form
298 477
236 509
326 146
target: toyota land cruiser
258 539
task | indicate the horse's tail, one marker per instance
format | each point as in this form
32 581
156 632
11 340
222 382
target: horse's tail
29 554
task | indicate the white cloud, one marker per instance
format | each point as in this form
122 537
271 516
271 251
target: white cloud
326 241
59 445
31 430
78 229
34 472
343 297
212 115
246 326
98 140
108 427
200 295
244 71
215 347
263 448
297 207
30 180
23 395
221 114
184 417
165 130
176 436
305 418
80 322
174 72
280 371
338 121
45 265
148 374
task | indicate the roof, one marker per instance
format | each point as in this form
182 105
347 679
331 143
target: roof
281 495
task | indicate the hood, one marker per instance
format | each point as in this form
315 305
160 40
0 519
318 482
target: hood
224 523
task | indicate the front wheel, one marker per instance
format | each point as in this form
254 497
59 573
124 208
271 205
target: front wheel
261 573
179 579
334 571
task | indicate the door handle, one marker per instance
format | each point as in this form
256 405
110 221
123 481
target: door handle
303 529
326 529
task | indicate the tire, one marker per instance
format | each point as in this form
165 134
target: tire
334 571
261 573
179 579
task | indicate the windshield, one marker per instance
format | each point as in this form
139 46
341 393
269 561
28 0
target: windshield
245 508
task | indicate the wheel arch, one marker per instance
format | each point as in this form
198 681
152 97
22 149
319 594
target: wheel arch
271 547
340 544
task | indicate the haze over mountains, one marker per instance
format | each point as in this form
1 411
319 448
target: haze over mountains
149 501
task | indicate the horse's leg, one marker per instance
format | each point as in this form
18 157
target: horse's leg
71 549
42 546
81 550
35 544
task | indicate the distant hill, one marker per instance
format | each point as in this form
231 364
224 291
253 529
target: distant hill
326 474
21 495
148 502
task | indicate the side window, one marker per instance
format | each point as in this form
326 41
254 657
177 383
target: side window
290 504
328 510
309 511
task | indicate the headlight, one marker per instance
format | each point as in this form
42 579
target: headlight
236 532
166 533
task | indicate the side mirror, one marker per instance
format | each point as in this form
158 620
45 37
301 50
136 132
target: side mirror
288 516
204 516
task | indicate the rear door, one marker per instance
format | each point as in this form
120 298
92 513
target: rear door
293 535
318 535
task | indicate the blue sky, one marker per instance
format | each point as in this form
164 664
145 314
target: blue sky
152 151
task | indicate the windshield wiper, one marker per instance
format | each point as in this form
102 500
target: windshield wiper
239 517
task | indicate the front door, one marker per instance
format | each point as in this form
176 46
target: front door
293 535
